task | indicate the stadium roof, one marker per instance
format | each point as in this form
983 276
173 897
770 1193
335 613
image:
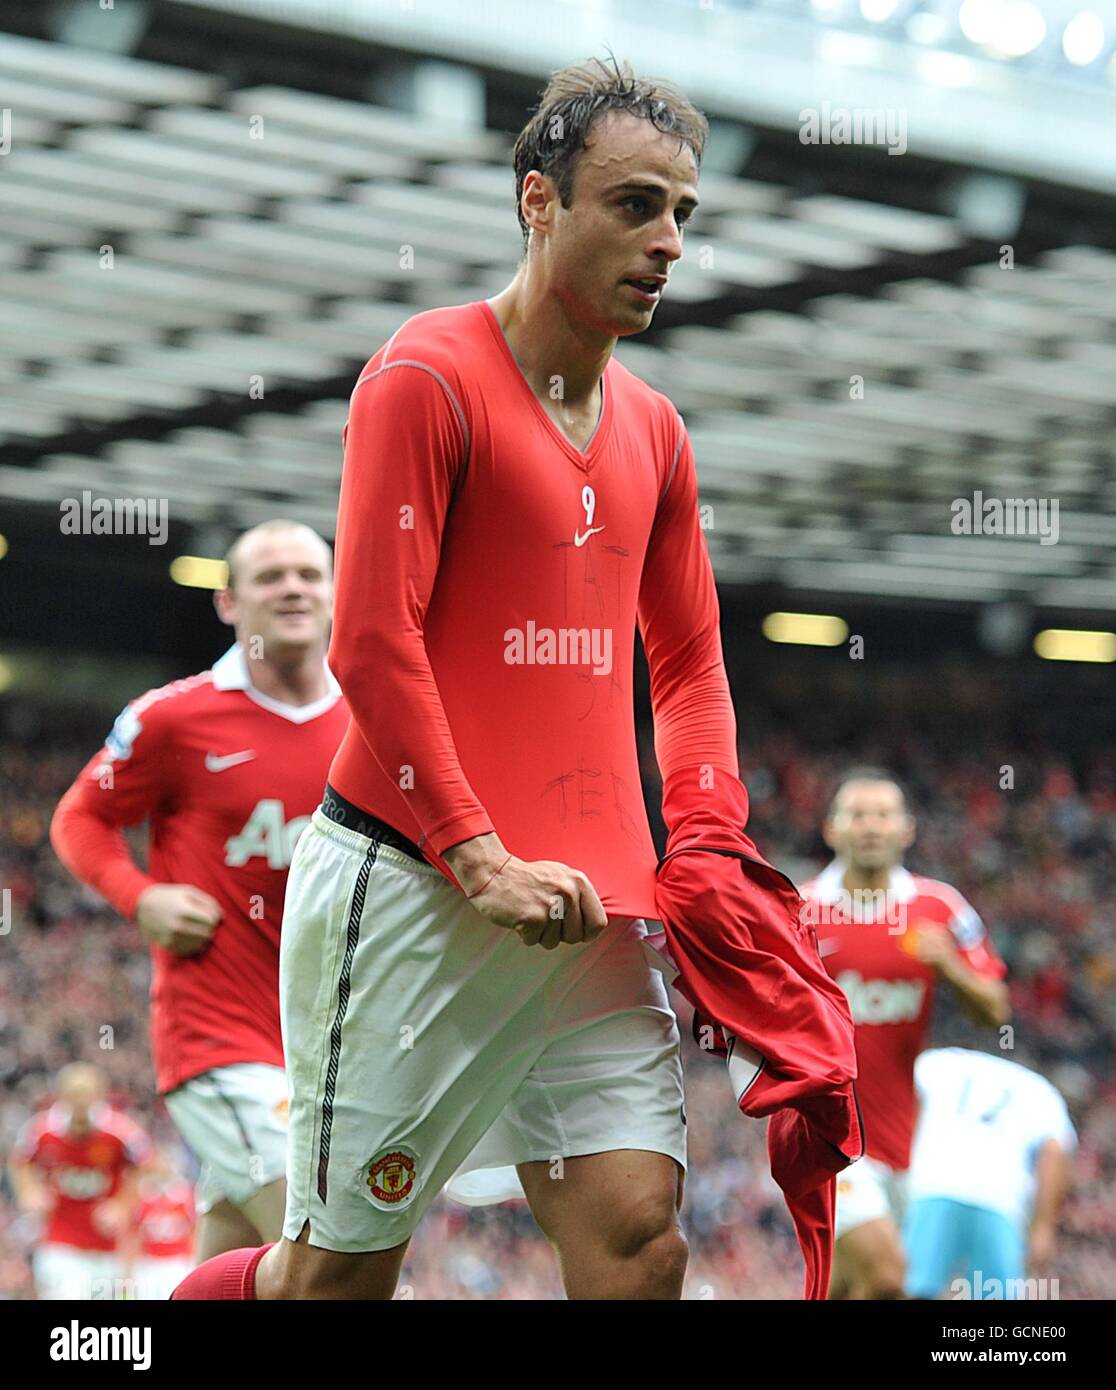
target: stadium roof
848 369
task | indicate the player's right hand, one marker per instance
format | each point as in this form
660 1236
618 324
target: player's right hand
178 916
545 902
39 1201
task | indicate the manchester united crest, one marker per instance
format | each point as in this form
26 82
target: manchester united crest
100 1152
391 1176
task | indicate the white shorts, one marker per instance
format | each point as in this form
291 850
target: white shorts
235 1120
157 1277
414 1029
869 1190
67 1272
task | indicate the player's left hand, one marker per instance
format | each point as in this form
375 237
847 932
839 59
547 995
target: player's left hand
932 944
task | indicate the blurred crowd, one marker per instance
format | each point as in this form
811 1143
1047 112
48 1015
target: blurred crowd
1007 811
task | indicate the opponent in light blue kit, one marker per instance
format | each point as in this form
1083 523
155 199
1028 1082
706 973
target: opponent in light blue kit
988 1170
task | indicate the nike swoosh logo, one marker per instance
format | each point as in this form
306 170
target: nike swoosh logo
213 763
579 539
826 948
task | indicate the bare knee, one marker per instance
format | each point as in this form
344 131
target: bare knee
885 1279
667 1255
648 1243
869 1263
634 1230
880 1277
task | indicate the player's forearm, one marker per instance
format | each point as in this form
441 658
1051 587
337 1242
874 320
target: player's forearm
475 861
1051 1183
17 1176
27 1187
96 853
691 702
987 1000
694 719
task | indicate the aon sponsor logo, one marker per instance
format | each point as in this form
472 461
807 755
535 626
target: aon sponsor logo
82 1183
882 1001
267 834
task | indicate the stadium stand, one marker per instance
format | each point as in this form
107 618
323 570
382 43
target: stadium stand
278 236
1038 866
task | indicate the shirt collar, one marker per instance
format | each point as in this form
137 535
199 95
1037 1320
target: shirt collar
829 886
60 1115
230 672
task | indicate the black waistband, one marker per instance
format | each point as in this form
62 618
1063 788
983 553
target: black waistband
341 811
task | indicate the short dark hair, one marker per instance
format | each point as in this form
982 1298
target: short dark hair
866 774
574 99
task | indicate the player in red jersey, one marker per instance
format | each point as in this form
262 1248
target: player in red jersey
514 503
77 1166
226 767
161 1241
887 937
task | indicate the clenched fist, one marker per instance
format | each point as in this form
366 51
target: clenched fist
178 916
546 902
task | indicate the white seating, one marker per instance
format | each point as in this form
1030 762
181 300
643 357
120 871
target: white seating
129 78
289 259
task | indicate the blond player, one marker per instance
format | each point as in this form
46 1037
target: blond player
225 767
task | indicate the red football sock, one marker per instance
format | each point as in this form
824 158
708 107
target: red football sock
228 1276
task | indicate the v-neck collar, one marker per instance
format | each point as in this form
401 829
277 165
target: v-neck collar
582 457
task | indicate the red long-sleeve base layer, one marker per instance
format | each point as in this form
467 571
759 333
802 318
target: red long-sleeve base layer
490 578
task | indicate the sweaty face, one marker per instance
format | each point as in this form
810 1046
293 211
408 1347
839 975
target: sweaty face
634 189
283 590
870 826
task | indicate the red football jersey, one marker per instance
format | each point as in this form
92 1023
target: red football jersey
82 1170
166 1218
889 990
490 580
227 779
